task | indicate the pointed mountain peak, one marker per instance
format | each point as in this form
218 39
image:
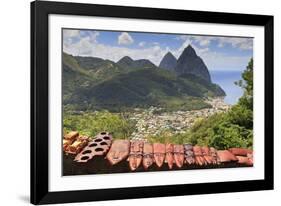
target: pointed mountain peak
126 59
145 63
190 63
168 54
168 62
189 51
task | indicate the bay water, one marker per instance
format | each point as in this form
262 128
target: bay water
226 79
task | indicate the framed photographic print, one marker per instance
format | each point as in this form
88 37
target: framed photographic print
131 102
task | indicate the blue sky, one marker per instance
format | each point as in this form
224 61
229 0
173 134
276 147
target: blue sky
218 53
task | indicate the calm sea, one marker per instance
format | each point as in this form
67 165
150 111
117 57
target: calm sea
226 80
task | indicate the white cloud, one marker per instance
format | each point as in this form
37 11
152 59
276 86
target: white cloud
220 44
236 42
93 36
69 33
220 61
213 60
88 45
186 42
75 43
142 43
201 40
205 42
125 39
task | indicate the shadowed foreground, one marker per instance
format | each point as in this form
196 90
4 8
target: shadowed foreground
99 165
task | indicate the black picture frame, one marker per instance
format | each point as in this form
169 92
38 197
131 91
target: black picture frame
40 104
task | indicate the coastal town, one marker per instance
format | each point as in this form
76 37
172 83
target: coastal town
151 123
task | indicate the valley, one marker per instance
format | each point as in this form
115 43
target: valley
136 99
91 83
150 122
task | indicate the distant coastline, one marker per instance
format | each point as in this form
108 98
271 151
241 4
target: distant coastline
226 80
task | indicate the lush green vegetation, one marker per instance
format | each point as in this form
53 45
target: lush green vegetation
222 130
146 87
92 123
167 136
91 84
231 129
181 104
